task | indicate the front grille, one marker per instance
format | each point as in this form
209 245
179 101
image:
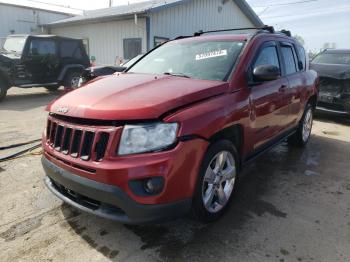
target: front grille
79 142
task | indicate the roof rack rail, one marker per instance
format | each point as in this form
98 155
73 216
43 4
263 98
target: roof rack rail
265 28
286 32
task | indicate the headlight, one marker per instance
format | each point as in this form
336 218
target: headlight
147 138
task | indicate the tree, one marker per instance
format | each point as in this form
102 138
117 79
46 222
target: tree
300 39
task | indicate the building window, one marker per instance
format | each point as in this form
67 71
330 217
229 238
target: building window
159 40
132 47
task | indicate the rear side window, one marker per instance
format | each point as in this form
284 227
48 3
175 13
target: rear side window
71 49
268 56
41 47
301 56
289 61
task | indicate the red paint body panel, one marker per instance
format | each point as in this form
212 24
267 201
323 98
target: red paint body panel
202 108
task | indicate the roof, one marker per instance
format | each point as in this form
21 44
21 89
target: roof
337 51
42 6
144 8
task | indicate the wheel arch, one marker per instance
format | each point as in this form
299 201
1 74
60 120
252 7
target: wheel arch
233 133
313 101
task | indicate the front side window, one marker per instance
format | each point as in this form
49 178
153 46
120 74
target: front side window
289 61
212 60
268 56
42 47
335 58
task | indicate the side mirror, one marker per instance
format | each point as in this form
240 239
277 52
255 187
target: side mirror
263 73
300 65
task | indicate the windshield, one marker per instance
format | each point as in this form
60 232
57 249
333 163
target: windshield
212 60
335 58
14 44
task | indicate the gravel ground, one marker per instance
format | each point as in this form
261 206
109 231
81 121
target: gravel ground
291 205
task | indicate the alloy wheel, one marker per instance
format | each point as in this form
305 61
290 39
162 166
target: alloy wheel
307 125
219 181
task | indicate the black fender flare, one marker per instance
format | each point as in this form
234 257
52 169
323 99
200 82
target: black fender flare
67 68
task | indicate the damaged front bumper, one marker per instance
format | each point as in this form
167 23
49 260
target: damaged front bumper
334 95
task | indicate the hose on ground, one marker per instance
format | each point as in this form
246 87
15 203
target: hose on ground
19 144
21 153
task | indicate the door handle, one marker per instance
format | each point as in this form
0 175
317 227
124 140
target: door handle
282 88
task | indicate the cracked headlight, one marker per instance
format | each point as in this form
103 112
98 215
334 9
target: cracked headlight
147 138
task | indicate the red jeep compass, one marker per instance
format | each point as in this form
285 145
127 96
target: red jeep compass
170 135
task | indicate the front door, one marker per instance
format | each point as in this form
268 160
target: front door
269 106
41 60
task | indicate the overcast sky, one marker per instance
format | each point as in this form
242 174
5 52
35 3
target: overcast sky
317 21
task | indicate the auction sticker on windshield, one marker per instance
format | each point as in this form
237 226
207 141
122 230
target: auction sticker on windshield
211 54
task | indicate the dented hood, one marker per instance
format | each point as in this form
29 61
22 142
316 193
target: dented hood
337 71
134 96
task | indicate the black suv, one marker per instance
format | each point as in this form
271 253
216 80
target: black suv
333 68
41 60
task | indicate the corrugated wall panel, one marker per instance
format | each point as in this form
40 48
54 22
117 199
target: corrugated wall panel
24 20
106 39
191 16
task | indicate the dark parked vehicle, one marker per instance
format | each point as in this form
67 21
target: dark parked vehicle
92 72
170 135
333 67
41 60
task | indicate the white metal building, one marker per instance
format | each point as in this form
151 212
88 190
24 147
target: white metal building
25 17
125 31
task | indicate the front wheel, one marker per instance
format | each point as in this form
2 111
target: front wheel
303 133
216 181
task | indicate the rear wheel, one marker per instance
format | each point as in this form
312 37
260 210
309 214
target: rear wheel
3 90
72 79
303 133
216 182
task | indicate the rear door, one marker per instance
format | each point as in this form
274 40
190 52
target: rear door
269 108
294 72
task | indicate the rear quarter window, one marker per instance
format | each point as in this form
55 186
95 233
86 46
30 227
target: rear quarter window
71 49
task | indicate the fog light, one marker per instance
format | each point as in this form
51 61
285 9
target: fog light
153 185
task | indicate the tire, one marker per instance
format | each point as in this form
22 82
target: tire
71 79
214 191
52 88
303 133
3 90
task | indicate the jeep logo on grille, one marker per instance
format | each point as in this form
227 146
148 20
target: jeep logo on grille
62 110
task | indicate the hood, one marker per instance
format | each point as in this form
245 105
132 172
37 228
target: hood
336 71
133 96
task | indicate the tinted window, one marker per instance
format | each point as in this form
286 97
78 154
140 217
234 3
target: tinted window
301 56
71 49
289 60
268 56
42 47
206 60
329 58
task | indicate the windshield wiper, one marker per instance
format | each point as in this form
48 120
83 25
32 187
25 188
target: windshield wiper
177 74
